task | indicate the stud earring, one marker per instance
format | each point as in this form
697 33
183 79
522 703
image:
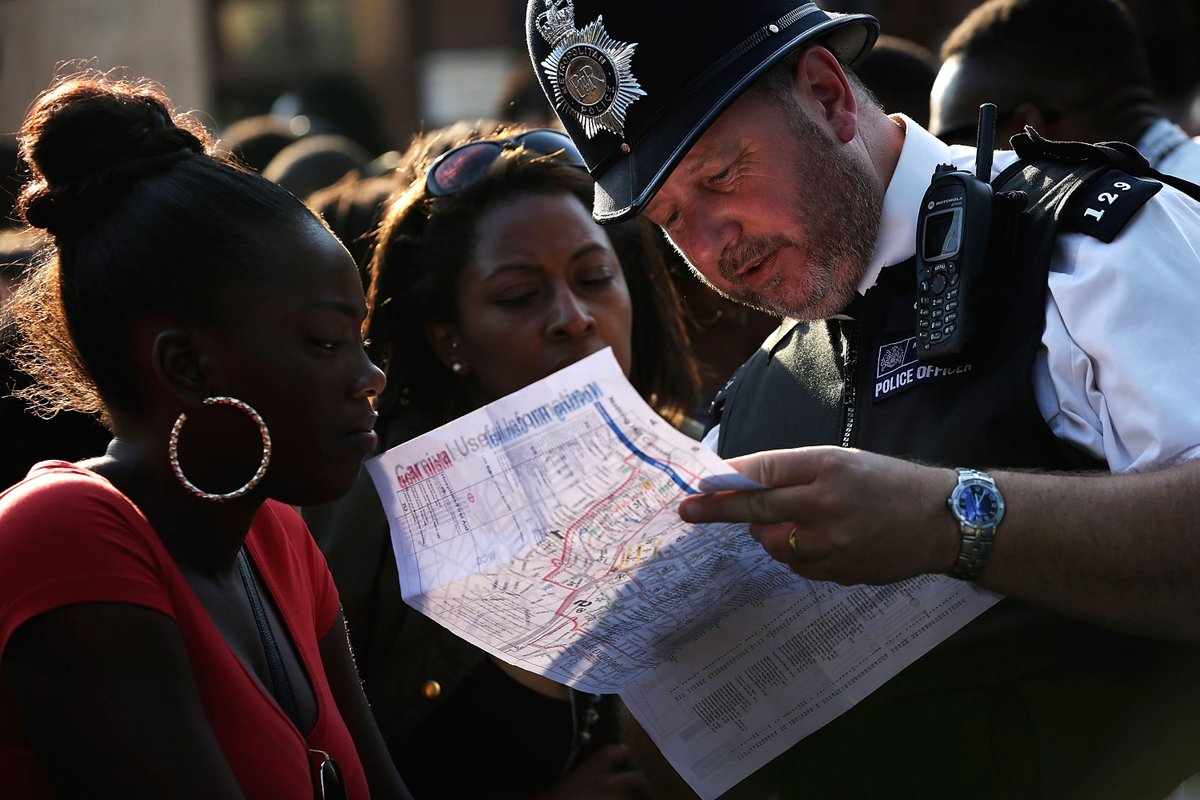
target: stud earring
457 367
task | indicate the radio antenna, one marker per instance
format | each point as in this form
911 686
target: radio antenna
985 141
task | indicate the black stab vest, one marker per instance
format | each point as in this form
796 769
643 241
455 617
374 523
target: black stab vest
1022 702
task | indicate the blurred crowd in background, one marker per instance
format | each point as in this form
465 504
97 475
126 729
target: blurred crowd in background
346 104
318 93
322 93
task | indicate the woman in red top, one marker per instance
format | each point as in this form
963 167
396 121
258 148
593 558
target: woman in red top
167 628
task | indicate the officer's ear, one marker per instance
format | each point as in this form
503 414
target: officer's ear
819 77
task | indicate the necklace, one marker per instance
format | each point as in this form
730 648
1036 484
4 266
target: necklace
584 716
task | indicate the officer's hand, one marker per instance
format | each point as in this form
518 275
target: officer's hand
840 514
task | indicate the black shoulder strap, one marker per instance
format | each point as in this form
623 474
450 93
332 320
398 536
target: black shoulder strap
1125 157
281 687
1094 189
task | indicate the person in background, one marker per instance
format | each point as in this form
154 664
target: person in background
353 206
167 626
1042 66
1053 460
900 73
254 141
487 275
1168 30
335 103
316 162
521 99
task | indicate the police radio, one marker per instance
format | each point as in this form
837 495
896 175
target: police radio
953 231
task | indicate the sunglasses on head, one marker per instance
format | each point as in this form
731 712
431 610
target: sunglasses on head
463 166
326 776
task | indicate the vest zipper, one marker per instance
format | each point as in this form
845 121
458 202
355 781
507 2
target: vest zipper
849 388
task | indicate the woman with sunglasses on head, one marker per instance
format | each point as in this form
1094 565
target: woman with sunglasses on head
489 274
167 627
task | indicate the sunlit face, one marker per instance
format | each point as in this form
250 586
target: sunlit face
771 211
291 347
542 289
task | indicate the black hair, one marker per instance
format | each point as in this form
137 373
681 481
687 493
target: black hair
316 162
353 206
1081 57
255 140
144 220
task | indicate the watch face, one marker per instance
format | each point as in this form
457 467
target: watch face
978 504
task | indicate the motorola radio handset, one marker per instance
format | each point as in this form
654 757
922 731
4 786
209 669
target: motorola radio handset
953 229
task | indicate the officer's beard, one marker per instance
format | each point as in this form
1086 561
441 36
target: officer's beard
840 220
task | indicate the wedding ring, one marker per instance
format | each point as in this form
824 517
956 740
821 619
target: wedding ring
792 541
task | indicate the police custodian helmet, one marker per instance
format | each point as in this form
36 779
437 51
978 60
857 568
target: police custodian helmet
635 82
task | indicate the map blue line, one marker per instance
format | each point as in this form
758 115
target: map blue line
654 462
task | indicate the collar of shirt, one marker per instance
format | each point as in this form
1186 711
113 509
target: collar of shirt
896 241
1160 140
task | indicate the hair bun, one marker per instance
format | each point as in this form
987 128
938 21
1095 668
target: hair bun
89 139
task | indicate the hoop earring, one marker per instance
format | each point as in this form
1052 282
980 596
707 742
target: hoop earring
173 451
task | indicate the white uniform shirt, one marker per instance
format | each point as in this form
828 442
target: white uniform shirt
1168 149
1118 374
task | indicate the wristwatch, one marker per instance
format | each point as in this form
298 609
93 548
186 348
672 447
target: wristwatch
977 505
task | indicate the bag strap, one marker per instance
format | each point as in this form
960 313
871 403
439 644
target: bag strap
281 686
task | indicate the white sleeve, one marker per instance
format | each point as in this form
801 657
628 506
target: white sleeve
1119 370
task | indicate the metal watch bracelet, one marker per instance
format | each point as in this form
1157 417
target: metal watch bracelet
973 553
975 546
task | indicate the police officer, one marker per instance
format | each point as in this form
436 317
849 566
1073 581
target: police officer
1102 88
741 130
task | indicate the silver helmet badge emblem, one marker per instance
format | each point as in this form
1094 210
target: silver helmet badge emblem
589 70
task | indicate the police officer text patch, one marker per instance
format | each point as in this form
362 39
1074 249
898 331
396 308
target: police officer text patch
897 369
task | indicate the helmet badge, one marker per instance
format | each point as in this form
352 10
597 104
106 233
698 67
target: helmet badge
589 70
